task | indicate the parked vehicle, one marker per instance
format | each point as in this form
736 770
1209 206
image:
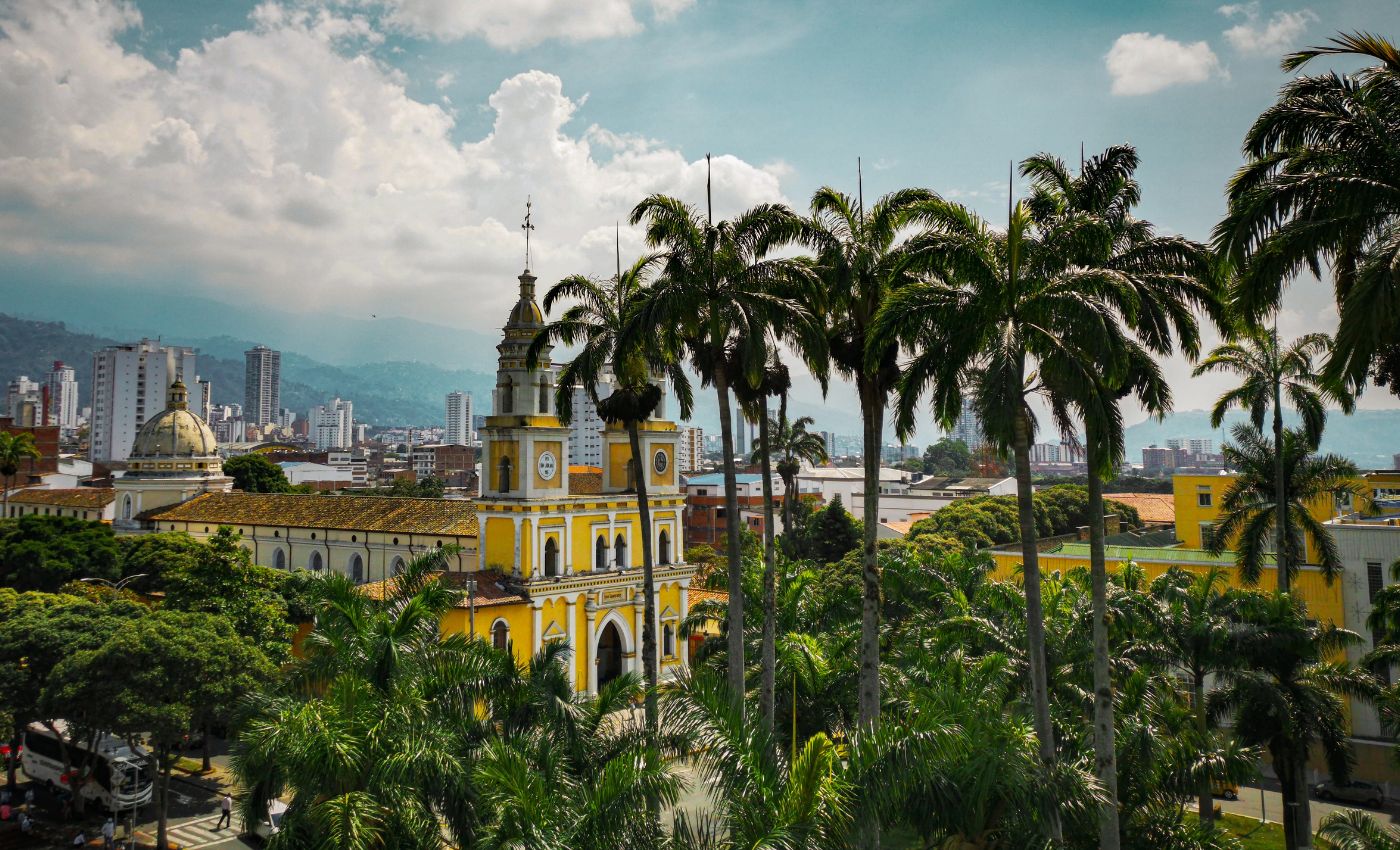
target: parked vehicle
1355 791
118 778
1228 790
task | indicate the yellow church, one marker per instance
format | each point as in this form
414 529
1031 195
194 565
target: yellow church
549 552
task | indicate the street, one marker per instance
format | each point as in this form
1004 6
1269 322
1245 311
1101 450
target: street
1249 805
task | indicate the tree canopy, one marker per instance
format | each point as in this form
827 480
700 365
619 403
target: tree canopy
46 552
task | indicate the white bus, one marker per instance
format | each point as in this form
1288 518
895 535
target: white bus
119 779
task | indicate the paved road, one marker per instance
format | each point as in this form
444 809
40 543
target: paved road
1249 805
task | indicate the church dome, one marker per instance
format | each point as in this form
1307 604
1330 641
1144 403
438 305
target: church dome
174 432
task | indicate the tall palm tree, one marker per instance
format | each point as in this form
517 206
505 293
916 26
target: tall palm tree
1286 696
1171 277
793 444
719 285
1010 315
15 448
1195 630
598 322
862 262
1321 185
1271 371
1249 514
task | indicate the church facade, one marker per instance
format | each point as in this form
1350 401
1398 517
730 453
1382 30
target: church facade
548 553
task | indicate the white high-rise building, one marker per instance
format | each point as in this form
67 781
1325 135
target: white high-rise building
968 428
23 402
333 425
586 429
129 385
62 383
262 385
459 420
690 453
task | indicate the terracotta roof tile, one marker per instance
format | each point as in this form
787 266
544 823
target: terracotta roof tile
448 517
701 594
71 497
1151 507
585 483
491 588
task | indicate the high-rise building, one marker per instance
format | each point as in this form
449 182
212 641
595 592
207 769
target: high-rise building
24 402
741 433
262 385
129 385
459 420
968 428
829 439
690 454
62 384
586 429
204 398
333 425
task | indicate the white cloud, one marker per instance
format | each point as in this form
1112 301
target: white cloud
1143 63
285 164
513 24
444 80
1255 36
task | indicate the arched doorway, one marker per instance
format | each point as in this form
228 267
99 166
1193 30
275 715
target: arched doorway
314 562
279 559
551 557
398 565
500 635
357 569
608 656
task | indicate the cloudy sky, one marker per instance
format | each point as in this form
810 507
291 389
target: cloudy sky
374 156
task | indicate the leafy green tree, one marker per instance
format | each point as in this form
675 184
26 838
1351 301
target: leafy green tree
151 556
1249 513
948 456
255 473
46 552
1352 829
1270 371
164 675
719 285
15 448
1286 695
831 534
793 444
1320 186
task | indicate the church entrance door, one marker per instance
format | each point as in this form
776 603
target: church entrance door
609 655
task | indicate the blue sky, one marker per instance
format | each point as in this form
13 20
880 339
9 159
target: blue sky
358 156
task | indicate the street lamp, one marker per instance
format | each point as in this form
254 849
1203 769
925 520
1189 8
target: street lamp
115 585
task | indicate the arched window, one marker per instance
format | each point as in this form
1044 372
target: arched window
357 569
279 559
663 545
620 552
398 565
668 640
544 395
551 557
600 553
503 475
507 397
500 634
126 506
314 562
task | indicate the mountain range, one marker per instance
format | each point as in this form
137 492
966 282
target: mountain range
1368 438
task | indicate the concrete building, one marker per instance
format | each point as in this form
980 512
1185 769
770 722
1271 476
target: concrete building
319 475
705 517
459 431
454 465
691 452
828 482
586 428
62 385
24 402
968 428
129 384
262 385
333 425
926 497
90 503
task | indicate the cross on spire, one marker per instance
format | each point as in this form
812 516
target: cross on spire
527 226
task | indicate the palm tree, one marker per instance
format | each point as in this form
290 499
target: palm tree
719 286
1271 371
598 322
1321 185
1195 630
1010 314
861 263
1249 514
794 444
1286 696
15 447
1171 277
1353 829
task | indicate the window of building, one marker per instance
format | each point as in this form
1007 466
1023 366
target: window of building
500 635
279 559
544 396
1203 498
663 546
600 553
668 640
398 565
507 397
551 557
314 562
357 569
620 552
1207 534
1375 579
503 475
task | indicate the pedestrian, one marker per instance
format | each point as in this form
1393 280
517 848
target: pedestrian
28 797
26 823
109 832
225 812
80 840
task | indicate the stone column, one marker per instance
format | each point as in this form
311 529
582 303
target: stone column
537 606
591 665
683 647
638 619
572 630
516 568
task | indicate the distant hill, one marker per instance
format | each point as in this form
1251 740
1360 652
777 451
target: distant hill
1369 438
383 393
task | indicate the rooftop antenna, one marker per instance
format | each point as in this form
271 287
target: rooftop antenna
860 190
527 226
617 247
1010 191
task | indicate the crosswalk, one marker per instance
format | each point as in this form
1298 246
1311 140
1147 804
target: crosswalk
191 835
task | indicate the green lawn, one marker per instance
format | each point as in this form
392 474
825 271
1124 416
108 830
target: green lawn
1256 836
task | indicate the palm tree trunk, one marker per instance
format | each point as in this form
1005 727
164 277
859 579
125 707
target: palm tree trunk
767 653
788 494
163 797
1288 790
1104 753
736 565
207 766
1280 495
1205 801
639 481
1302 828
1035 615
872 416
